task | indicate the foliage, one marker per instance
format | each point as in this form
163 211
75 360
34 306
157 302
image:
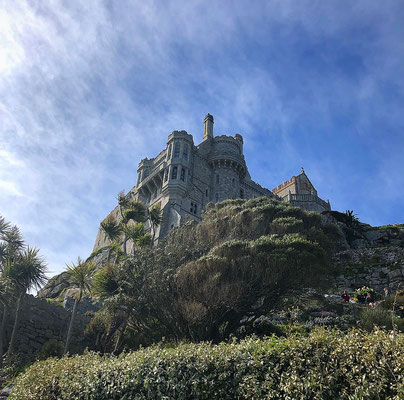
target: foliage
202 277
375 316
80 275
111 228
323 365
364 291
51 348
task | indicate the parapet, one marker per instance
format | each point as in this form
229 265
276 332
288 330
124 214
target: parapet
284 185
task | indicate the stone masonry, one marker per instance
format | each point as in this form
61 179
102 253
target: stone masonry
184 177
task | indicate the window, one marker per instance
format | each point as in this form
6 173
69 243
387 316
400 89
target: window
217 196
166 175
217 179
241 194
182 177
185 153
174 173
233 182
194 208
169 151
176 149
206 193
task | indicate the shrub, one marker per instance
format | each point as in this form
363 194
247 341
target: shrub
323 365
51 348
375 316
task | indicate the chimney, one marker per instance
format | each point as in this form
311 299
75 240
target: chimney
208 127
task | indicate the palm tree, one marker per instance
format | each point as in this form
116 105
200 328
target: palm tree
7 296
26 270
81 277
112 231
155 218
136 233
135 212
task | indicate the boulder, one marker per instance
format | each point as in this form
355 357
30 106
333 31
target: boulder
55 286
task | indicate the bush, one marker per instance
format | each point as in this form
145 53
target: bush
51 348
323 365
377 316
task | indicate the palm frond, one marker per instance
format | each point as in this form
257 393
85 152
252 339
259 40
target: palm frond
81 274
4 226
111 228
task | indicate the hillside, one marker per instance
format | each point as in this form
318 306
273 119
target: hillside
242 270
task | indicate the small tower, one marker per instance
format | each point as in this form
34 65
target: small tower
208 127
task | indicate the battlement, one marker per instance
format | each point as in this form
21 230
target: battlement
284 185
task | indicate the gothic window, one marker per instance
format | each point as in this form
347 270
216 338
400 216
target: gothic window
195 208
206 193
174 173
169 151
241 194
166 175
176 149
182 175
217 196
185 153
217 179
191 209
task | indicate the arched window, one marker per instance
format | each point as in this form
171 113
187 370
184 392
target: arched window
169 151
182 177
166 175
217 179
185 152
176 149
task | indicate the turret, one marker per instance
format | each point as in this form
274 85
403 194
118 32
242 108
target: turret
208 127
239 139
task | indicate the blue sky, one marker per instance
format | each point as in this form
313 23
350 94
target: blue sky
88 88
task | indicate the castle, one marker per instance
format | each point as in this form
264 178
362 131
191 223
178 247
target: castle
184 177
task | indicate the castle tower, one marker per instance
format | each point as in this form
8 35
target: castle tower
208 127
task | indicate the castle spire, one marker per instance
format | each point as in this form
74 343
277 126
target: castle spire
208 127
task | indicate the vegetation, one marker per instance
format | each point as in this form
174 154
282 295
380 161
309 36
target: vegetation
203 278
322 365
21 269
81 275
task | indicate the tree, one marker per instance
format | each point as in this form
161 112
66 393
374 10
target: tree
26 270
137 234
155 218
112 231
80 277
135 212
7 297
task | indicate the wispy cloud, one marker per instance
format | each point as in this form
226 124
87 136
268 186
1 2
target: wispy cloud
87 89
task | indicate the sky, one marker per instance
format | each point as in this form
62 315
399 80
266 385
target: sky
88 88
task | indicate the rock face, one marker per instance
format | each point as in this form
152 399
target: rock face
55 286
376 260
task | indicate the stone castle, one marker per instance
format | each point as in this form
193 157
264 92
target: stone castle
185 177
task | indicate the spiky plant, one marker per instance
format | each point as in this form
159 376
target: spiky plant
155 218
112 231
26 270
80 276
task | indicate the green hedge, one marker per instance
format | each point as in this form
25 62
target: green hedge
324 365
